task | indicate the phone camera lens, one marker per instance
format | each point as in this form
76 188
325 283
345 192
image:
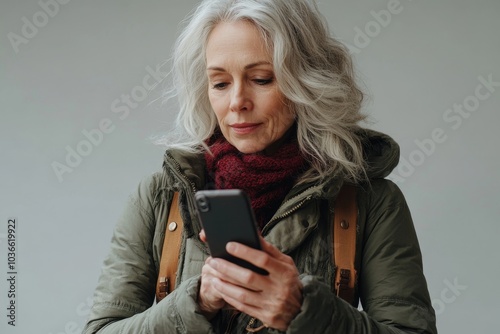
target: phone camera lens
203 204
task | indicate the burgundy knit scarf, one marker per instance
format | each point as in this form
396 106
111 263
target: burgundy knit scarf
265 178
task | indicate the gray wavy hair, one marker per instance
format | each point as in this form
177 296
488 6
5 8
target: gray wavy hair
313 70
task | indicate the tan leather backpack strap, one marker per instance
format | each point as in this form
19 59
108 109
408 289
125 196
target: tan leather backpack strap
344 243
170 252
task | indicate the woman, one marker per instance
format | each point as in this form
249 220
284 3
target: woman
268 104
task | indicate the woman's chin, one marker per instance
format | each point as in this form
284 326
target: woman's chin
248 148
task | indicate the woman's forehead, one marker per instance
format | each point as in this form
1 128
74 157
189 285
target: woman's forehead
239 42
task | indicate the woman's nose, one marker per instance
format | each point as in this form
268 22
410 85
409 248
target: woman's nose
240 98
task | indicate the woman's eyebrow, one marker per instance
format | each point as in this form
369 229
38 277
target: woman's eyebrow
247 67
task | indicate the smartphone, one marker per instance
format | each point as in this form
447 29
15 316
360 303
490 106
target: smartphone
226 215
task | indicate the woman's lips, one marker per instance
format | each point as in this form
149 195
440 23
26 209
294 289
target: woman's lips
244 128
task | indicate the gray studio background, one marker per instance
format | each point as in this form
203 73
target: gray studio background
74 71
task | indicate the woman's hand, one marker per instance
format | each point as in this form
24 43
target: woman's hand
209 299
274 299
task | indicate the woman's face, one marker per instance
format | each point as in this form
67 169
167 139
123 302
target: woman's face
251 111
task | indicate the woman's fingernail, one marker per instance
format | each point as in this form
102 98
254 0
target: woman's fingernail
230 246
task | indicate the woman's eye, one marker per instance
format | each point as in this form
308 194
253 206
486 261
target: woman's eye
220 85
263 82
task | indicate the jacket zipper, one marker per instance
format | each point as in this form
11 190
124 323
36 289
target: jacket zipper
250 329
288 212
177 167
250 325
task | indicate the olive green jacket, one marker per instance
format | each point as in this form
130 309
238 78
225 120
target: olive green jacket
391 285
